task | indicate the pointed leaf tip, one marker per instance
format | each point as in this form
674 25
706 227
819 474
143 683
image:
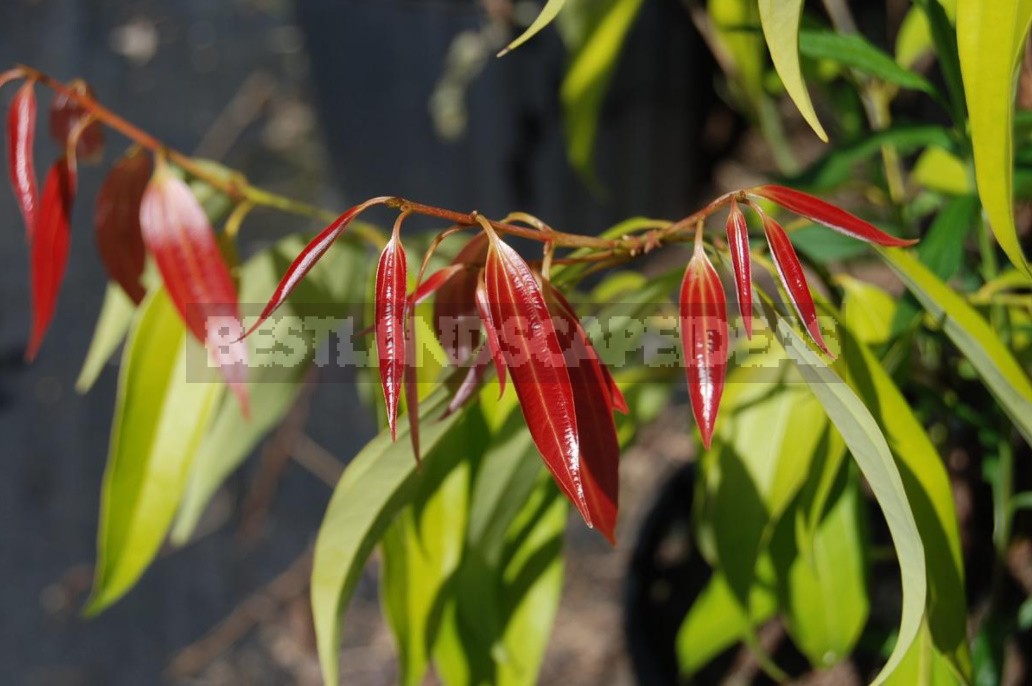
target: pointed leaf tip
741 261
704 339
790 270
391 282
826 214
177 233
50 243
21 165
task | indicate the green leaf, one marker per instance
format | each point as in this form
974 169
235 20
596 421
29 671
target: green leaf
924 665
116 315
780 20
942 248
939 169
871 452
854 51
280 352
990 37
744 48
547 14
867 310
584 87
941 15
1000 372
822 574
160 418
377 483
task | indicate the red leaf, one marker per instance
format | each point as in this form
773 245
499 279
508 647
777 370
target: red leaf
308 258
600 448
537 366
66 115
584 346
491 329
738 243
455 312
436 281
49 252
21 134
391 282
821 212
791 272
117 222
179 236
704 337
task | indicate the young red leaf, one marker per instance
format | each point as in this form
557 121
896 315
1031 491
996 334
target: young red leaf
536 364
66 115
585 348
177 233
816 210
738 244
704 337
21 135
792 277
455 312
117 222
49 252
308 258
491 329
436 281
599 446
391 282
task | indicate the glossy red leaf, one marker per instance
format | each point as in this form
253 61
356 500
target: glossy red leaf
790 269
435 282
391 282
704 338
455 312
536 364
491 329
599 445
66 115
117 222
21 135
821 212
177 233
309 257
738 244
49 250
585 348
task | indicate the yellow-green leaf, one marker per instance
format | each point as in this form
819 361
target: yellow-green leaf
164 406
548 13
867 310
990 37
780 20
116 314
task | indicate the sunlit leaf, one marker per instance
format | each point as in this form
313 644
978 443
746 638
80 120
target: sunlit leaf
390 304
548 13
21 165
160 419
738 245
866 310
780 20
990 37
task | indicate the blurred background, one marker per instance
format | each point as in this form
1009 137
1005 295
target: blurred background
330 101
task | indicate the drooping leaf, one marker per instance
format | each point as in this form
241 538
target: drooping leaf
116 314
790 269
600 448
990 39
584 87
704 339
869 449
548 13
117 222
67 117
377 483
21 165
49 250
738 246
435 282
821 212
1000 372
494 345
455 311
308 258
159 423
536 365
856 52
178 234
390 308
780 21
